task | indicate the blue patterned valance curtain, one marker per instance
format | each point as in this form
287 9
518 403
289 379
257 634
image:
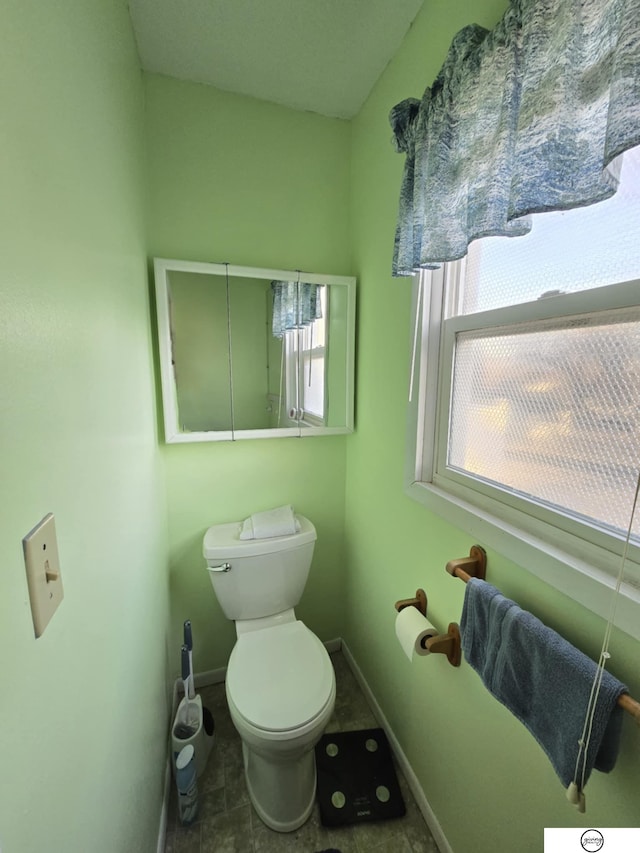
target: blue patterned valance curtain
522 119
295 304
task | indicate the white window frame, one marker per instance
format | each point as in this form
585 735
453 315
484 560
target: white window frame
296 366
583 571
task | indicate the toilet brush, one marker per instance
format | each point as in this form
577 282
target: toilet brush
188 641
209 724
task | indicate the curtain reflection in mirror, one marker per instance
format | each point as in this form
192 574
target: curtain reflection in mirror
305 362
295 305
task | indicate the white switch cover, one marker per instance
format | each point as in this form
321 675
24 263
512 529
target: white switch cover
43 572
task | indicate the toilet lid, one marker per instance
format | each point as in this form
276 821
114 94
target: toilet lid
280 677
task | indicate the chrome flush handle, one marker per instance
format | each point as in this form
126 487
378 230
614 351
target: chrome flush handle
224 567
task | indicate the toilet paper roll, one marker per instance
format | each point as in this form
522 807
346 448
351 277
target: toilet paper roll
412 628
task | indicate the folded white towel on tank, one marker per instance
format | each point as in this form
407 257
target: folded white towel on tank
273 522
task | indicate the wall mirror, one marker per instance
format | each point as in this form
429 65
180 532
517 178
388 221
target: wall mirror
249 352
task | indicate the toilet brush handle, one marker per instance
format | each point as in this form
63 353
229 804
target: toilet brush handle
184 653
188 641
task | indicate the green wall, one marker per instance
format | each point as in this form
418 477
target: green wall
489 784
83 708
237 180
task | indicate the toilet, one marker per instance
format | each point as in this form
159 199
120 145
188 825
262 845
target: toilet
280 682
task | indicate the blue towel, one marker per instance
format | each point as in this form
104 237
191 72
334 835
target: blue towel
542 679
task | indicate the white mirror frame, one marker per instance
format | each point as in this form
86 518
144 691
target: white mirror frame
172 433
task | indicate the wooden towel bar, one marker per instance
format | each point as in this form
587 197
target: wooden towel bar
474 566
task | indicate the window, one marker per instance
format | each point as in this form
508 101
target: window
527 415
305 354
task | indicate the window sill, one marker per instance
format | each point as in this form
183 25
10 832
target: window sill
582 582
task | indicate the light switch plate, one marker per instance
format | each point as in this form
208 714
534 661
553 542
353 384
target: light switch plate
43 572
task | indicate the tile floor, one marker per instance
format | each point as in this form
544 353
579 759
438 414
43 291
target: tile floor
227 822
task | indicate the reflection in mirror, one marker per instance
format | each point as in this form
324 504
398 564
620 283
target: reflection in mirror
250 352
203 357
304 351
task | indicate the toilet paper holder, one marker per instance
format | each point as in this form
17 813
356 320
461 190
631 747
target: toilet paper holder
420 601
448 644
444 644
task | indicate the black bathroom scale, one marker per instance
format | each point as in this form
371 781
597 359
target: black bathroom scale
356 778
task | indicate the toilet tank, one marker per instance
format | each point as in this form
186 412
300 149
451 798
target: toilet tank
265 576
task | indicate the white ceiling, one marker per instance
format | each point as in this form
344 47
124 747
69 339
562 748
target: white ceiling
319 55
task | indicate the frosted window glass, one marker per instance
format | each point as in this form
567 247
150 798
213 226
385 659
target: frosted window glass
551 411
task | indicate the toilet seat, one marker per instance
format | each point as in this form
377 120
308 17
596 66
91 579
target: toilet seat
280 678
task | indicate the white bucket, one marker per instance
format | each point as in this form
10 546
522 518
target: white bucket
190 714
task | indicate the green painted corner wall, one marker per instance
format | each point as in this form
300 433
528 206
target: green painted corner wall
233 179
488 783
83 708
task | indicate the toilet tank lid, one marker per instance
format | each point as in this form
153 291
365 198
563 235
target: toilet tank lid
223 540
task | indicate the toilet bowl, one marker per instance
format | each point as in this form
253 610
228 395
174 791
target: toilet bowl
281 694
280 682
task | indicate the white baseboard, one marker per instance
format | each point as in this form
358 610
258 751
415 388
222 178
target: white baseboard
162 832
164 811
412 780
210 676
333 645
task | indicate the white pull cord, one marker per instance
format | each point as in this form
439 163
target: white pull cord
575 792
416 327
281 389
